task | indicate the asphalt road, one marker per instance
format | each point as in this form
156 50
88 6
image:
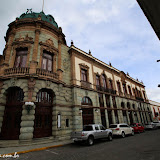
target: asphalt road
144 146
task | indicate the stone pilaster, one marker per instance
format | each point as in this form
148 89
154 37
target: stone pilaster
77 119
120 116
34 63
60 72
97 116
27 123
107 120
112 112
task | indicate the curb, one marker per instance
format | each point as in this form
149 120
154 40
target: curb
36 149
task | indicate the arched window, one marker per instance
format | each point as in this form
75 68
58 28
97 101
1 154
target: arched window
122 104
45 96
128 105
133 105
86 101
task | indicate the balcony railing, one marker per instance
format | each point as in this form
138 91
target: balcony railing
16 71
85 84
45 73
107 90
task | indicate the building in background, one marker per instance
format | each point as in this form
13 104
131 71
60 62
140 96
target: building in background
49 89
155 108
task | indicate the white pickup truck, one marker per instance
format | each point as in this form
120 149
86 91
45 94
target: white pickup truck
90 133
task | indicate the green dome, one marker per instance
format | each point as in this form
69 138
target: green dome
47 18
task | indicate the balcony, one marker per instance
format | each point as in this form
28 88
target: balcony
107 90
47 74
16 71
85 84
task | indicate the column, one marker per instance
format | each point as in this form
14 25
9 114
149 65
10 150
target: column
27 123
59 59
112 112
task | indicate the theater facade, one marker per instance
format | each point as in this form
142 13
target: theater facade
49 89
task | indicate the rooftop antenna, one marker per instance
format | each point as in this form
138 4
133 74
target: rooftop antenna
43 6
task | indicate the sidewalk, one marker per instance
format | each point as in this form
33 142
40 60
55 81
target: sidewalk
31 148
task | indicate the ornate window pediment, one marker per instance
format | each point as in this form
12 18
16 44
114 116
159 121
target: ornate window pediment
84 66
22 40
48 45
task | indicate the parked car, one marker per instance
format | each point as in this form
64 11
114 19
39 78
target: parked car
150 126
157 123
90 133
138 127
121 129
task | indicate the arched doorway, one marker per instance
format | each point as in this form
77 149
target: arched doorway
124 113
87 113
12 114
43 114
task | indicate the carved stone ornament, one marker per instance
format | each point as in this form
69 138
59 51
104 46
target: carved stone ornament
48 83
82 65
26 38
13 81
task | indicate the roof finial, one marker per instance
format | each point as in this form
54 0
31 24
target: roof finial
72 44
110 64
90 52
43 6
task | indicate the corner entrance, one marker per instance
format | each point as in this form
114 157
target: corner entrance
43 114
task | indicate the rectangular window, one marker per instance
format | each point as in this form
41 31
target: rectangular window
104 81
21 57
114 102
67 122
84 75
129 88
119 87
97 80
110 84
101 102
47 61
124 89
108 101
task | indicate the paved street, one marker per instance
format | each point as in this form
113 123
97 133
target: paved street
144 146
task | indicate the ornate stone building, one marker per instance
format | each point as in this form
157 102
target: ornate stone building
48 89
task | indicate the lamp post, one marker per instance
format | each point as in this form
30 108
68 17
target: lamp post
29 106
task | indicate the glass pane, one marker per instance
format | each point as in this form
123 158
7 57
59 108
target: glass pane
49 65
24 59
17 61
44 63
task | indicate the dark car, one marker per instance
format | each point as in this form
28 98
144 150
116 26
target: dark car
137 127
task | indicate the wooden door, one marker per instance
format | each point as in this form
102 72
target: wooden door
11 123
12 114
43 121
87 115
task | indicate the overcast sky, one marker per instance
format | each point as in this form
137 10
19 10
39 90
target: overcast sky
114 30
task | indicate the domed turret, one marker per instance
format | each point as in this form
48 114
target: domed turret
41 15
